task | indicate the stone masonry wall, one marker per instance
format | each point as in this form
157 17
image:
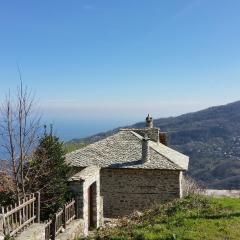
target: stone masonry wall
80 184
126 190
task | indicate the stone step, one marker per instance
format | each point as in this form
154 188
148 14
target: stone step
34 232
37 231
73 230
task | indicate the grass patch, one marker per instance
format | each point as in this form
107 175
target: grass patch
190 218
71 146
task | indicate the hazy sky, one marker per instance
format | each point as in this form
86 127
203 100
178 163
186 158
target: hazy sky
97 64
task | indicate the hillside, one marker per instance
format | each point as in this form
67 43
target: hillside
193 217
210 137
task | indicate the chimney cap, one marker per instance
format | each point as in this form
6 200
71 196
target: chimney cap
149 121
148 118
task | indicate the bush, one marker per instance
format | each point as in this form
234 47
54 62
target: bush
7 189
6 198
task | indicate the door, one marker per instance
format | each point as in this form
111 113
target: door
90 207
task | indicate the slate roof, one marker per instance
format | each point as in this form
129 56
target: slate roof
124 150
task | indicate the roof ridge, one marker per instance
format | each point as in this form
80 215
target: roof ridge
165 154
156 150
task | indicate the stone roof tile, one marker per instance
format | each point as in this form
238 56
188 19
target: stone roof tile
124 150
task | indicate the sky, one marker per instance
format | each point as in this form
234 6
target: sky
95 65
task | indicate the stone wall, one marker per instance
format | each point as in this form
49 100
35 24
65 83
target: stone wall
126 190
80 184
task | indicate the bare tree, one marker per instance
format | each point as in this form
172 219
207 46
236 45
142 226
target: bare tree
19 125
190 186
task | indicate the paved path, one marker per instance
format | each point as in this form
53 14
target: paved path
35 232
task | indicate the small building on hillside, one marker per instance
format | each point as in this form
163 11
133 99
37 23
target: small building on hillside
137 169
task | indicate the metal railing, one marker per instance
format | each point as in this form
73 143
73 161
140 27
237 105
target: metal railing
18 217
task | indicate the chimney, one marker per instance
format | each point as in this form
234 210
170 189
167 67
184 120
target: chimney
145 149
149 121
163 138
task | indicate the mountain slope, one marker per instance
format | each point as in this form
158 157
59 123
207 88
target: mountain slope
211 138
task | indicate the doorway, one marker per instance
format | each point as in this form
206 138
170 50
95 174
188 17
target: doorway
91 205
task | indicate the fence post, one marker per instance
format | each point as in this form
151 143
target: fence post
53 227
19 212
38 206
1 227
64 216
4 225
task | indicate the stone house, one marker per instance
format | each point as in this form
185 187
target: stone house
137 169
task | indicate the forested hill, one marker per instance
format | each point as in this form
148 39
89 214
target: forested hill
210 137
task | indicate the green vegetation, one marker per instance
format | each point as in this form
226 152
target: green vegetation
6 198
49 174
72 146
193 218
7 189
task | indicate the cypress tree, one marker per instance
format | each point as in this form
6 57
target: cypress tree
49 174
